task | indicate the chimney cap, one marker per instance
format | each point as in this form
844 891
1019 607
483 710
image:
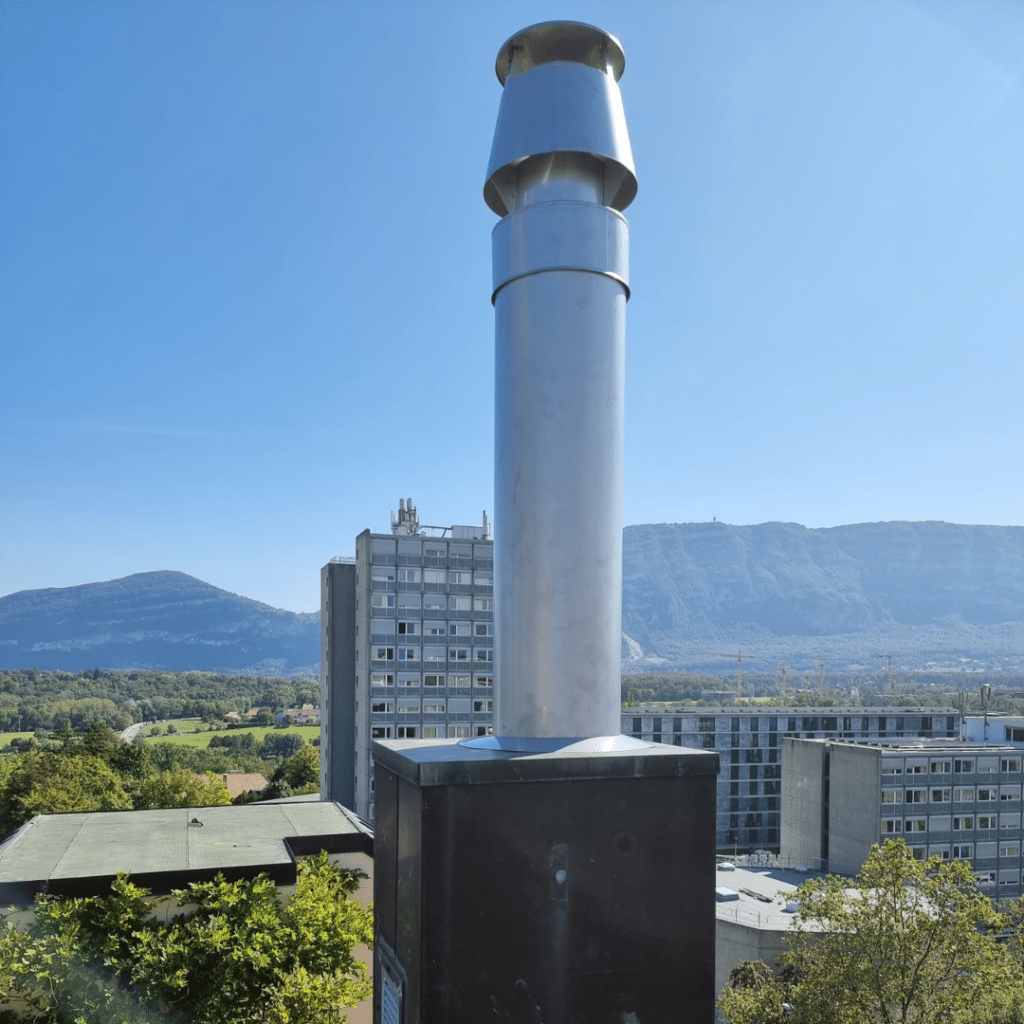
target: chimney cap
560 41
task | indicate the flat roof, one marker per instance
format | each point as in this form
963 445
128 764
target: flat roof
763 894
80 854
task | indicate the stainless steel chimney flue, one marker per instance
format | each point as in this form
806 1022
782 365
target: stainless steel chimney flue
560 173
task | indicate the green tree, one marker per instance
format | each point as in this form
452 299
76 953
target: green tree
99 740
301 770
234 955
905 942
49 783
182 788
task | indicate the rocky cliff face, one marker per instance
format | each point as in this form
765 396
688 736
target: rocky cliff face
933 591
164 620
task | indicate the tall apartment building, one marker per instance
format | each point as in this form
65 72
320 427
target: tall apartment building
749 742
407 646
959 800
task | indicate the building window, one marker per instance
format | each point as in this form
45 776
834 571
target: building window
382 680
940 767
459 628
892 770
383 654
1014 734
706 724
917 824
483 629
1010 764
458 731
382 574
459 604
964 765
891 825
985 878
434 575
407 732
459 577
482 706
435 629
917 796
381 732
485 681
986 793
433 732
483 730
484 579
940 796
963 852
458 654
382 600
963 824
408 654
433 708
409 628
407 575
1008 821
483 604
1009 792
433 680
483 654
433 653
917 769
892 796
963 794
1009 850
382 707
458 680
406 600
986 821
435 602
917 852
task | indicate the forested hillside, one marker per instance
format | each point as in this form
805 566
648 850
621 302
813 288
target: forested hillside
31 699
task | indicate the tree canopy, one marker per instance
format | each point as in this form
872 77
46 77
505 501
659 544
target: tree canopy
235 954
906 942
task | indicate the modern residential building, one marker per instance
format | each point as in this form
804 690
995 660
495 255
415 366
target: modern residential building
407 646
955 799
749 742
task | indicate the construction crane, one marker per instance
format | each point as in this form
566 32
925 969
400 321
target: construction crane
739 656
821 679
888 677
784 668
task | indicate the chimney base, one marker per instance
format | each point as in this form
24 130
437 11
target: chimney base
559 887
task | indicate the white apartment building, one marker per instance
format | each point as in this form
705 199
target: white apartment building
407 646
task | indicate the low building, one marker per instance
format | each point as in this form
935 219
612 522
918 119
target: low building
957 800
753 915
81 854
244 782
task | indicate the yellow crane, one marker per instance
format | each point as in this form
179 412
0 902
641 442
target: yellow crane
739 656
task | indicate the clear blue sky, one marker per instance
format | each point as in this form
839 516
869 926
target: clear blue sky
245 273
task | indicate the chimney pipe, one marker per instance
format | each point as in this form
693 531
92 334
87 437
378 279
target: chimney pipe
560 173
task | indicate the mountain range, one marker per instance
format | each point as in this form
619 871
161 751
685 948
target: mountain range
934 595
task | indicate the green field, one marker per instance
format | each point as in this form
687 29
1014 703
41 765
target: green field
202 739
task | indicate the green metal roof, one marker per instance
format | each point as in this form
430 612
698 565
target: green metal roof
78 854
